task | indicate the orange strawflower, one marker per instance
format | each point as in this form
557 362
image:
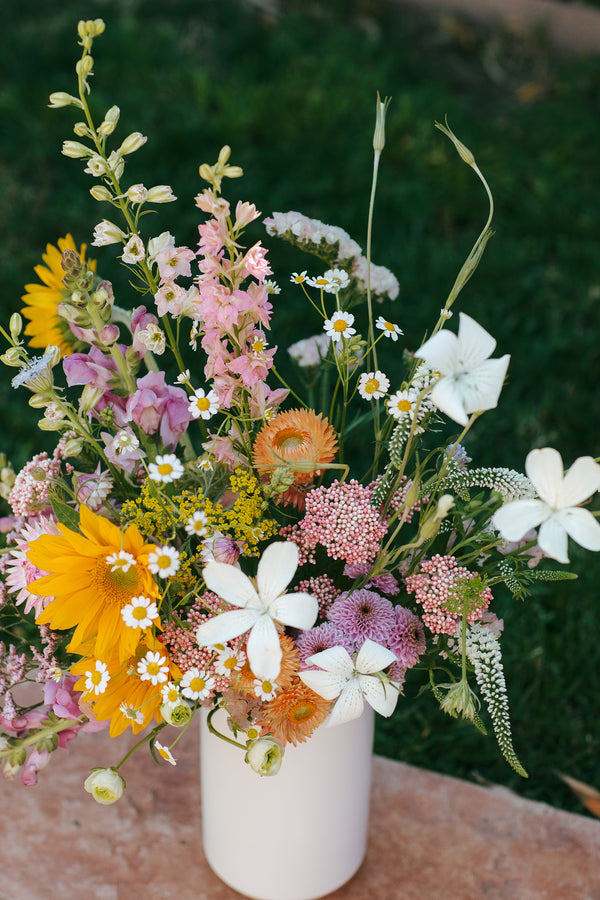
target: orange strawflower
300 439
295 713
290 663
93 577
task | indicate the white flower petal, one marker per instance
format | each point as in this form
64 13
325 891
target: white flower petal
382 697
276 569
545 469
373 657
581 525
440 352
264 650
552 539
515 519
334 659
231 584
475 344
224 627
448 398
349 705
481 387
581 481
326 684
299 610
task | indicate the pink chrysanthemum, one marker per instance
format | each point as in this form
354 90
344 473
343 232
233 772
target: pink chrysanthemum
442 588
322 637
21 572
363 615
407 638
384 582
342 519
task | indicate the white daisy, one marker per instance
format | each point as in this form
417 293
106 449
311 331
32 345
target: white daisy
141 612
130 712
165 753
196 685
96 679
228 661
373 385
197 524
338 280
389 329
206 464
166 468
298 277
401 404
121 561
264 690
164 561
203 405
184 377
272 286
170 694
153 667
340 325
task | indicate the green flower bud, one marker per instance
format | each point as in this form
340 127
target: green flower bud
82 130
379 136
178 716
110 121
16 326
84 66
265 755
73 447
12 357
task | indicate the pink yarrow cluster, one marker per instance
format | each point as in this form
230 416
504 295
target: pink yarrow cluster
436 586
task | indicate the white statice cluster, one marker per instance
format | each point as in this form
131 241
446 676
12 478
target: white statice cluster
311 234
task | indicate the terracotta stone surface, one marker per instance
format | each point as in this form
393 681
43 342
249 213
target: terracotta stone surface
431 837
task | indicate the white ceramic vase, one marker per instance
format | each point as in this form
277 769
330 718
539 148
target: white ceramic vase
297 835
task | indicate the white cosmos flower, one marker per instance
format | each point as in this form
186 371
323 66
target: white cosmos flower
353 681
557 510
261 602
470 381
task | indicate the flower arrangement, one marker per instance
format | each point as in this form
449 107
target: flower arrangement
197 538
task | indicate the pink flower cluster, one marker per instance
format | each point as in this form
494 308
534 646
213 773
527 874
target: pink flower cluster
342 519
29 494
436 586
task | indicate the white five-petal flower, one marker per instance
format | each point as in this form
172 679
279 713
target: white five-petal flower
557 510
470 382
261 604
353 681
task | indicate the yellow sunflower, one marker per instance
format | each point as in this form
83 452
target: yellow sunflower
93 577
45 326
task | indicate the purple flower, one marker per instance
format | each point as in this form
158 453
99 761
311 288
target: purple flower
406 638
322 637
156 406
385 581
363 615
99 371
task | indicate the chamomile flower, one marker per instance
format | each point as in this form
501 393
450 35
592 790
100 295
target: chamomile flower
373 385
390 330
165 753
203 405
196 685
272 286
170 694
96 679
339 326
338 280
164 562
197 524
153 667
401 404
228 661
298 277
141 612
166 468
131 713
183 377
205 464
264 690
321 281
120 562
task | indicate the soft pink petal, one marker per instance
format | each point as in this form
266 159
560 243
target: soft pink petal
231 584
552 539
581 481
515 519
382 697
373 657
349 705
545 470
475 344
263 649
326 684
298 610
224 627
440 352
581 525
276 569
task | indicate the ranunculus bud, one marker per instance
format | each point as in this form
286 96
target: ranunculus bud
105 785
265 755
178 716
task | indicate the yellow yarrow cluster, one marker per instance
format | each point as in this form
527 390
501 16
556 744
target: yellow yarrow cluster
243 520
153 515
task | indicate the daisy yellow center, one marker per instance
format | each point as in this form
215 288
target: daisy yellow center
153 668
388 326
290 439
197 684
252 733
267 687
203 403
96 677
302 711
321 281
258 346
230 663
371 386
404 405
165 468
164 752
139 612
340 325
163 561
172 696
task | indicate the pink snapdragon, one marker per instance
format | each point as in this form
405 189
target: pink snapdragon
174 261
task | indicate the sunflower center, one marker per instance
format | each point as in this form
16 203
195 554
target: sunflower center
302 711
290 439
117 584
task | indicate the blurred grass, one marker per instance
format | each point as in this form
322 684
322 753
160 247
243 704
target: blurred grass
291 87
